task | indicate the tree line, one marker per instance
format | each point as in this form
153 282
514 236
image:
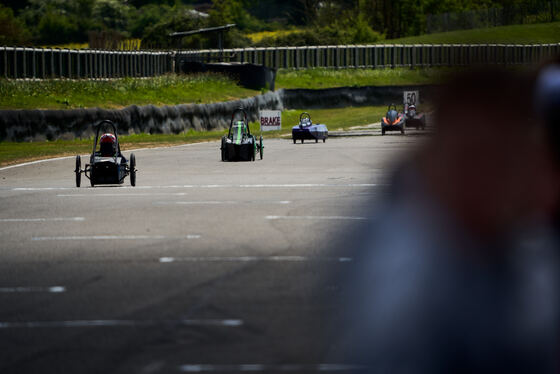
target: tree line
309 22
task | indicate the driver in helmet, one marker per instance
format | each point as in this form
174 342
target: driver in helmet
306 122
239 132
108 145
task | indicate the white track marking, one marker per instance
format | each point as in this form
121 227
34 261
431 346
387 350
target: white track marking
122 323
35 162
167 260
85 156
54 289
200 368
124 194
113 237
306 185
42 188
279 202
54 219
212 186
316 218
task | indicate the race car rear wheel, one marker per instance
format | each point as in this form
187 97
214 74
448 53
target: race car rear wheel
316 140
382 131
294 141
324 140
78 171
261 148
301 141
132 170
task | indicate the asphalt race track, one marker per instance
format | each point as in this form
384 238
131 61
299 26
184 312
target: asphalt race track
205 266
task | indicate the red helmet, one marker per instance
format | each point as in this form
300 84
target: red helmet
108 138
108 146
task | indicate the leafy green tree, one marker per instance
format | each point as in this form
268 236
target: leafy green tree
233 11
147 16
180 19
12 30
74 24
112 14
56 28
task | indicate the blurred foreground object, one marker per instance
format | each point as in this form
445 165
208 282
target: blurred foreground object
547 106
459 272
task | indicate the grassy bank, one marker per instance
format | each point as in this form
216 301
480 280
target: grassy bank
328 78
515 34
177 89
335 119
118 93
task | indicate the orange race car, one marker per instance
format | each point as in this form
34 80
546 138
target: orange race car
393 120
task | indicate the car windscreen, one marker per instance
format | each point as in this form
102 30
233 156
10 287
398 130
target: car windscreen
238 132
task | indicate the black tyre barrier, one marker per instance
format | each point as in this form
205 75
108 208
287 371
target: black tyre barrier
247 75
28 125
341 97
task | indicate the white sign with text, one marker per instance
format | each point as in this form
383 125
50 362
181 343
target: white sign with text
410 98
270 120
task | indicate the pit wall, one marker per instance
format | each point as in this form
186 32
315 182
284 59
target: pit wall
36 125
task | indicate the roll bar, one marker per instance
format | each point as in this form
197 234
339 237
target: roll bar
101 125
239 110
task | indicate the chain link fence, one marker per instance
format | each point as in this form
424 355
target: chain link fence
382 56
43 63
39 63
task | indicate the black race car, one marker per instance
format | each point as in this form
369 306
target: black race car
393 120
414 119
107 165
239 144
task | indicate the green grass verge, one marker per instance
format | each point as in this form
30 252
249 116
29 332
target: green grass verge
177 89
118 93
329 78
335 119
516 34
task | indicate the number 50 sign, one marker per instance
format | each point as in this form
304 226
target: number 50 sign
411 97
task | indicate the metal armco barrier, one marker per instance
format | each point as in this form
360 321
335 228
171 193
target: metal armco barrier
43 63
382 56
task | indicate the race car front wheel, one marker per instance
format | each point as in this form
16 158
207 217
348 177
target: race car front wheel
132 170
78 171
261 148
223 149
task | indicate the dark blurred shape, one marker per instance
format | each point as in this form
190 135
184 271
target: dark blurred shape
547 107
247 75
459 273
